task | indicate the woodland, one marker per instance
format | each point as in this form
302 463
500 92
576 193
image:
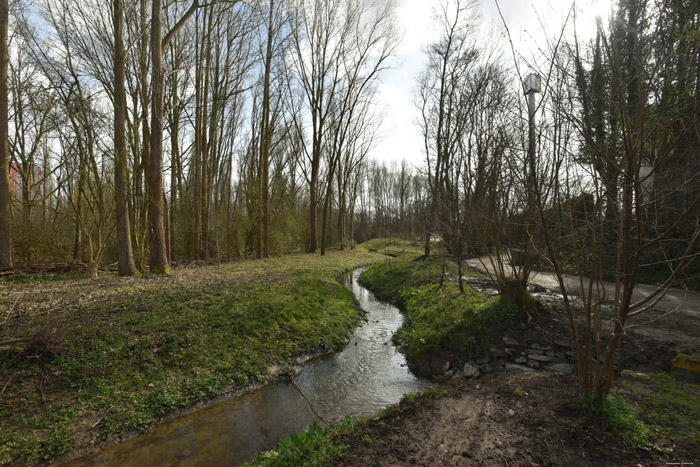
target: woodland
141 135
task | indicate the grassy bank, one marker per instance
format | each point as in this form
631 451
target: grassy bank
116 355
439 318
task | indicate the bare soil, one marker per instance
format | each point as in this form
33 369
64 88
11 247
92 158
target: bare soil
516 419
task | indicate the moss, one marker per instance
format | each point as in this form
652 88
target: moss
161 269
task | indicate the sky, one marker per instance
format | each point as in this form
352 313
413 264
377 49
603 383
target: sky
400 136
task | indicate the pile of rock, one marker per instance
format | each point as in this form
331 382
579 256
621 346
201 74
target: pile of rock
514 356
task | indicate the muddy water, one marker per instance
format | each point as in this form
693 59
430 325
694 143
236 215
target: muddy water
368 375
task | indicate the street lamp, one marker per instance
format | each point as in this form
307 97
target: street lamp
532 85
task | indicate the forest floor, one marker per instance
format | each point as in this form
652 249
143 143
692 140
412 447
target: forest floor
110 358
541 418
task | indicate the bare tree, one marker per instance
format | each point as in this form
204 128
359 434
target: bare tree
5 215
158 262
125 258
603 227
438 96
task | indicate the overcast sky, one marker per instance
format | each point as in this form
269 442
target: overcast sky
401 138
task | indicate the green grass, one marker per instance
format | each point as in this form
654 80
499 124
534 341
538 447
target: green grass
658 412
670 409
383 244
439 318
393 278
136 349
310 447
620 418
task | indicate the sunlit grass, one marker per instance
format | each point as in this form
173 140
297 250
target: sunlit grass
136 349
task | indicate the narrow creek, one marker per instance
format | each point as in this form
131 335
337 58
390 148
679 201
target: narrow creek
368 375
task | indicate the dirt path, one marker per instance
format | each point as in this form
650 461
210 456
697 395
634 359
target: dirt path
651 338
679 300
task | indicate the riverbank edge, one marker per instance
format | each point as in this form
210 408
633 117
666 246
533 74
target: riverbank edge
275 372
421 295
221 398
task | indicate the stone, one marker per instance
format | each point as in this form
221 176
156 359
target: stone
535 352
566 368
510 342
445 367
533 363
540 346
484 359
520 360
497 366
449 374
516 367
650 369
555 353
496 353
562 343
459 375
471 370
634 374
485 369
545 358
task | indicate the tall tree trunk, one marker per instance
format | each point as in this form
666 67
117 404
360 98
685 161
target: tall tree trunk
326 208
140 170
313 198
158 260
204 140
197 199
174 159
265 137
78 239
45 181
5 216
166 222
125 258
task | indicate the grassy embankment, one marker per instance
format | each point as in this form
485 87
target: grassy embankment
646 413
439 318
119 354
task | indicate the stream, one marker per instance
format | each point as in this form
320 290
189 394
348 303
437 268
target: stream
368 375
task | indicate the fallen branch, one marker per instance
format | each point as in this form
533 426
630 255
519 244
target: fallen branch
103 416
311 406
15 340
8 383
13 306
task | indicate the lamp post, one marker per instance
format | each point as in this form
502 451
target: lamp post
532 85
